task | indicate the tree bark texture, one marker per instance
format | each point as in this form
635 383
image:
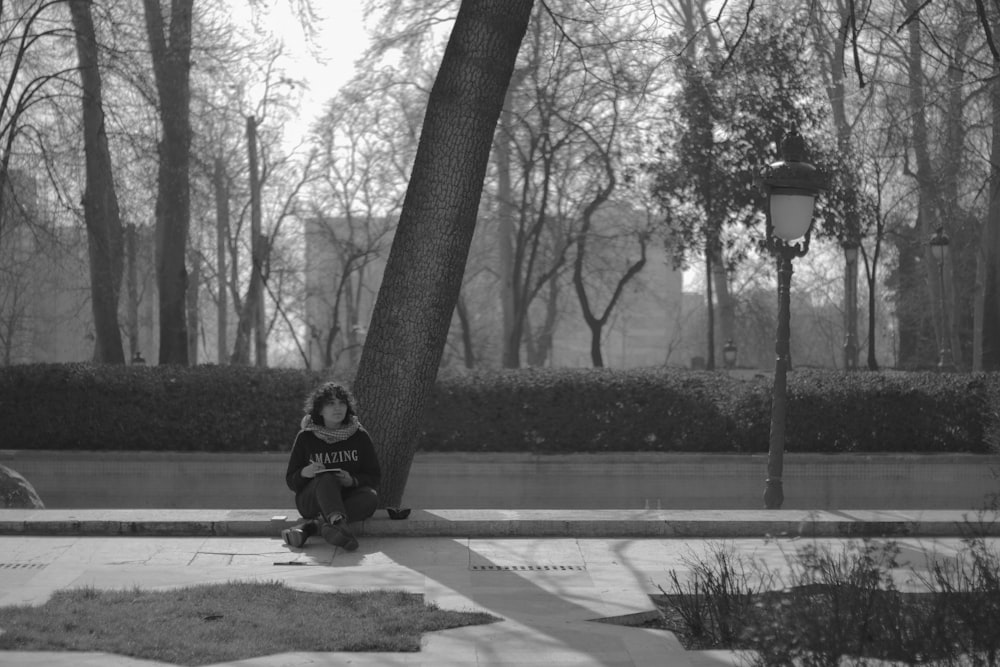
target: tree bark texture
952 151
468 354
221 188
193 312
597 322
709 311
105 234
836 93
250 323
505 241
423 274
132 291
257 246
987 306
926 177
171 54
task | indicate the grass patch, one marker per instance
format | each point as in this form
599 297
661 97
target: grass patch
225 622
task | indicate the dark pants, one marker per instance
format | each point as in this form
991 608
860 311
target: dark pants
324 496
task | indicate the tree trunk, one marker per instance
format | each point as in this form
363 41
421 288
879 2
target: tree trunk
836 93
220 185
244 327
988 271
926 177
987 307
105 235
171 55
912 307
727 308
423 275
952 154
257 245
978 302
193 323
468 355
709 312
596 323
261 327
132 290
596 356
251 316
539 341
505 243
872 361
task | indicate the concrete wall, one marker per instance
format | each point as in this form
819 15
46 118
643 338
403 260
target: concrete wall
70 480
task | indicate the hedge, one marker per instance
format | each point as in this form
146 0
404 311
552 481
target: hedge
222 408
601 410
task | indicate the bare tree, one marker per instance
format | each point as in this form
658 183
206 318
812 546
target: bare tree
365 142
424 272
702 38
29 28
105 234
40 76
246 170
16 261
170 47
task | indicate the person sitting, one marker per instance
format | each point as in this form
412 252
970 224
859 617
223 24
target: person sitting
332 469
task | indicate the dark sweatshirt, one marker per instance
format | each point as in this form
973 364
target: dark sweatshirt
356 455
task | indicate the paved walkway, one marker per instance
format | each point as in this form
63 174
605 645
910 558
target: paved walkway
549 582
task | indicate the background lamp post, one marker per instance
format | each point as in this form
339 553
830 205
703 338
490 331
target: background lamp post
850 246
729 354
790 186
939 250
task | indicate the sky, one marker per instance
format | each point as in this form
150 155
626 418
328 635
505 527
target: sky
341 41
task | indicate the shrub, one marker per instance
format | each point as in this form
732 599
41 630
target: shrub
901 412
151 408
839 607
717 595
225 408
567 410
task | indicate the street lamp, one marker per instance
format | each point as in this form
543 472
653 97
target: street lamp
850 246
729 354
939 251
791 186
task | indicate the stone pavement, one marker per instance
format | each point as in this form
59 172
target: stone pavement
549 578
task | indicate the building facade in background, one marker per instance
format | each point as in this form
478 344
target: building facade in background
45 309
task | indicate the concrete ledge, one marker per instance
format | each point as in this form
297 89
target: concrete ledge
486 523
464 481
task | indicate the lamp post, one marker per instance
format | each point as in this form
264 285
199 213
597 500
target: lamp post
791 186
729 354
939 251
850 246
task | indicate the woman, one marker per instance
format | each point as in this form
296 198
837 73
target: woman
333 469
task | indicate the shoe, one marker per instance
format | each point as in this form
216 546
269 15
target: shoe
338 535
296 536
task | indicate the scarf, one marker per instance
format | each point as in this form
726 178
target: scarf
331 435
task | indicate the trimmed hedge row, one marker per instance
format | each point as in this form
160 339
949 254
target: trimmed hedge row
221 408
151 408
601 410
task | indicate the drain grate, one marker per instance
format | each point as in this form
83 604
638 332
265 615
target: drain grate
22 566
526 568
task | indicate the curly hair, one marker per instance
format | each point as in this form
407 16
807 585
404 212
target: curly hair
329 392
